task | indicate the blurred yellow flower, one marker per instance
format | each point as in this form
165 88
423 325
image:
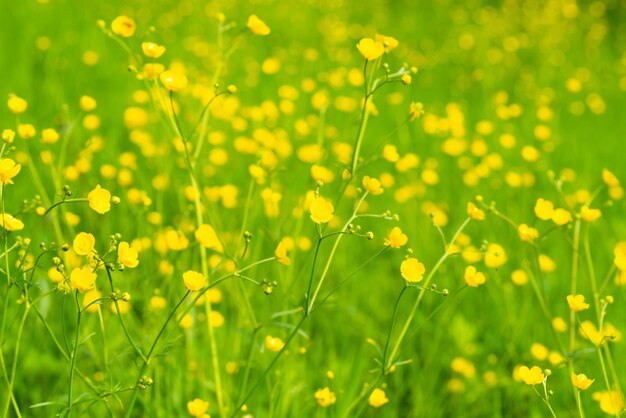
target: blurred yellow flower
194 281
526 233
17 105
257 26
197 407
412 270
472 277
577 303
325 397
396 238
544 209
10 223
611 402
8 170
370 49
561 217
388 42
207 237
281 254
274 344
152 50
82 279
377 398
100 200
588 214
84 243
474 212
173 80
123 26
321 210
372 185
127 255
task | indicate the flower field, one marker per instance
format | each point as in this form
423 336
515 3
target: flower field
312 209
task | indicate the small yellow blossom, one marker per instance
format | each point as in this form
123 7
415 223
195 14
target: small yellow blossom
173 80
495 256
10 223
82 279
389 42
406 79
377 398
194 281
561 217
207 237
321 210
472 277
527 233
197 407
611 402
87 103
533 376
325 397
8 170
257 26
370 49
100 200
609 178
412 270
590 215
474 212
127 255
123 26
152 50
274 344
577 303
581 381
372 185
8 135
396 238
281 254
84 243
544 209
416 110
17 105
49 136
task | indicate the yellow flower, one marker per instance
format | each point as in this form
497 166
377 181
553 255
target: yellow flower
8 135
10 223
412 270
577 303
207 237
194 281
324 397
377 398
544 209
396 238
372 185
26 130
406 79
152 50
370 49
561 217
87 103
89 297
609 178
17 104
533 376
173 80
620 255
100 200
472 277
475 213
8 170
274 343
281 254
416 109
588 214
581 381
611 402
197 407
321 210
257 26
388 42
127 255
123 26
495 256
49 136
84 243
82 279
526 233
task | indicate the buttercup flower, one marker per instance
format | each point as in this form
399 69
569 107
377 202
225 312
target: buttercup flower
274 343
173 80
533 376
321 210
544 209
197 407
577 303
526 233
8 170
207 237
561 217
194 281
100 200
84 243
377 398
388 42
325 397
396 238
17 105
257 26
472 277
82 279
589 215
281 254
10 223
412 270
8 135
581 381
475 213
123 26
152 50
372 185
127 255
370 49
